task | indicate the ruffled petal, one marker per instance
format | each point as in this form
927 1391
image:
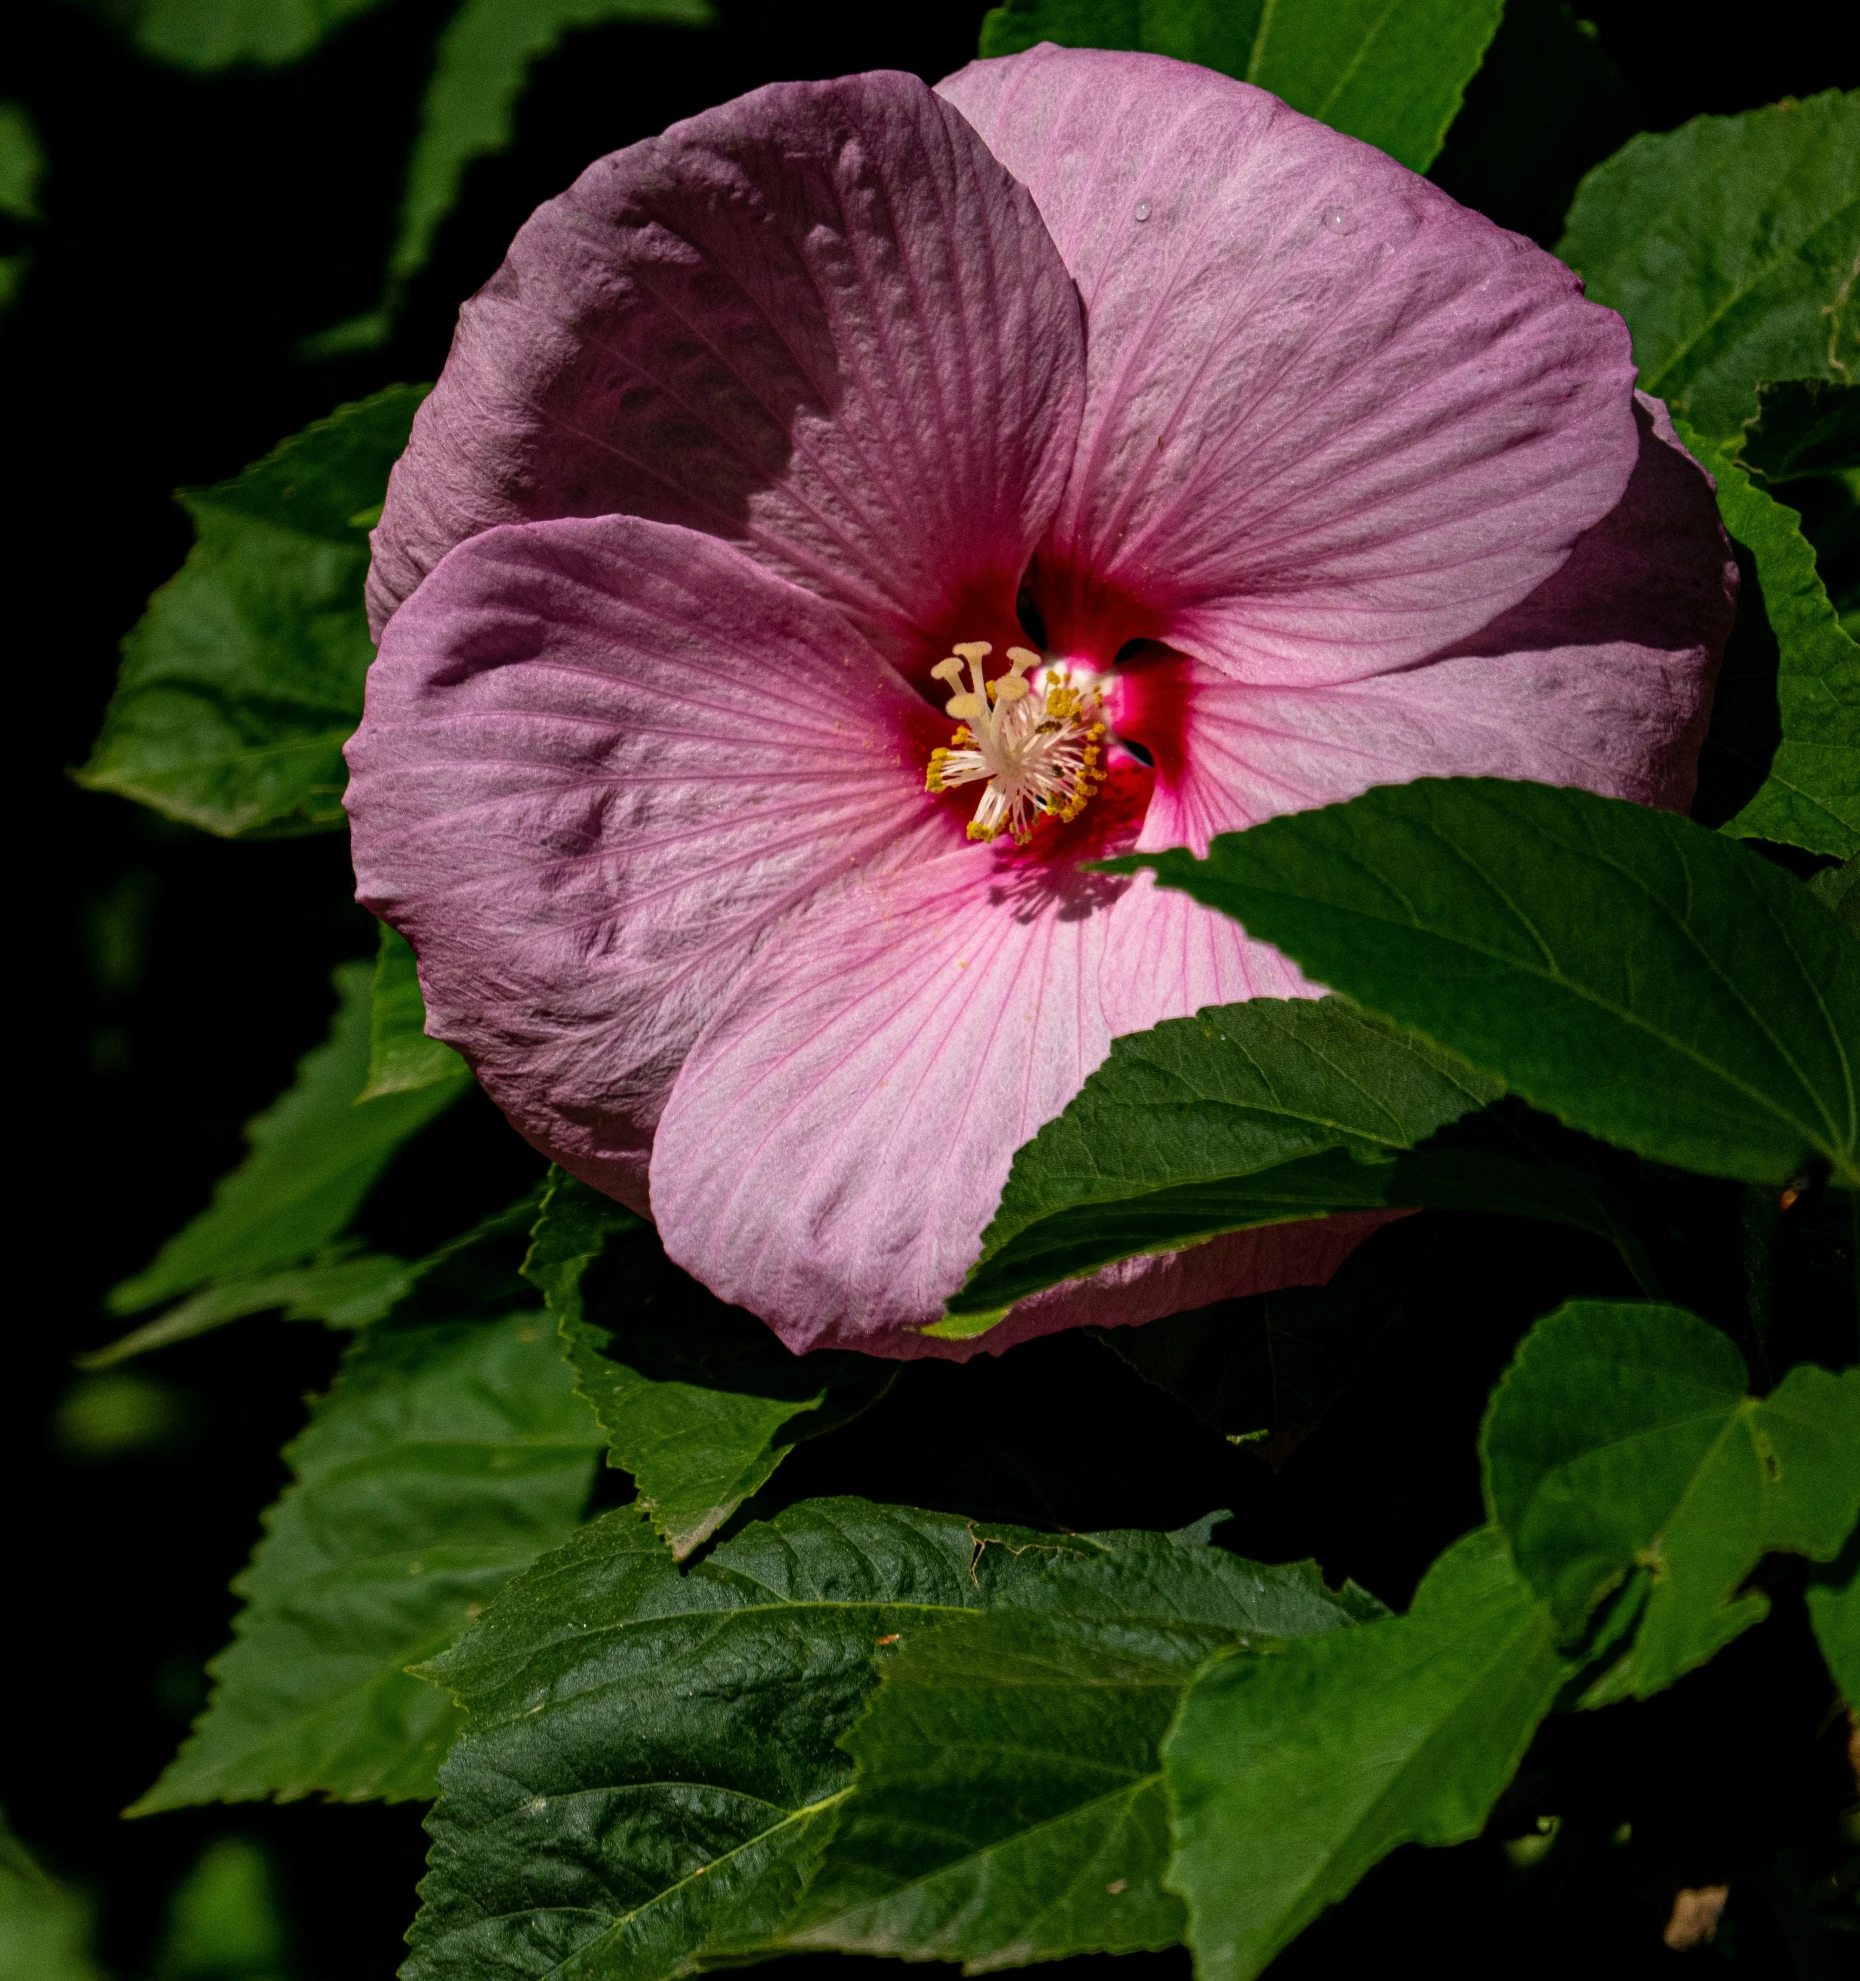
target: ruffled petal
1334 420
600 760
820 320
1601 678
839 1137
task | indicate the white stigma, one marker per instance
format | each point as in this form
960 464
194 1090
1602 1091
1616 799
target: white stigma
1038 745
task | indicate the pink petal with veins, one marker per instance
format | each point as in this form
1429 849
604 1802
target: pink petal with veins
1334 421
821 321
601 760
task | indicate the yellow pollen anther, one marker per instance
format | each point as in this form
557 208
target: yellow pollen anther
1033 745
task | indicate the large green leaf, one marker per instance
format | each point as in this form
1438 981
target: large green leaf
482 66
1008 1805
700 1401
44 1929
650 1768
1622 1439
1391 72
1293 1768
447 1456
1247 1115
243 681
1646 980
1729 245
401 1058
1190 1129
210 35
314 1156
1785 737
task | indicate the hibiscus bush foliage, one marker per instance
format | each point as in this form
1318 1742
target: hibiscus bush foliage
1381 1479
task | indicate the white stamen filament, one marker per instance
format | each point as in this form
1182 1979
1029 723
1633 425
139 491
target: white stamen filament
1039 745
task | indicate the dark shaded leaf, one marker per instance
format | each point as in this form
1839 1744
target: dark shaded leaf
1803 426
700 1401
446 1457
1787 714
243 681
482 67
314 1156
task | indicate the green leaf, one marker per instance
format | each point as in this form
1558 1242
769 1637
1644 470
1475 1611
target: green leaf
483 64
44 1929
314 1157
210 35
243 680
224 1921
447 1456
347 1292
1202 1125
1803 426
700 1401
1548 104
342 1293
1009 1805
650 1768
1834 1610
1391 72
1294 1768
1730 245
1839 887
401 1058
22 164
1786 723
1646 980
1622 1438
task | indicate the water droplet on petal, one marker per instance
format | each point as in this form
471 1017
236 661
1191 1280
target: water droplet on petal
1338 220
1143 209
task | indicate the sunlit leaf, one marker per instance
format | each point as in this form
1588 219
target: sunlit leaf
652 1768
1391 72
1729 245
1646 980
1294 1768
1622 1439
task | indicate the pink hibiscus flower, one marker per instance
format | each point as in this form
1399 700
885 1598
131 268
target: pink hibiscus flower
1205 463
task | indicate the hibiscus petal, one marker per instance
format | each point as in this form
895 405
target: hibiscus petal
840 1135
1334 420
821 320
599 760
1600 678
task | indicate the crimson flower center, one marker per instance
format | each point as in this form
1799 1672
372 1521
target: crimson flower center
1035 746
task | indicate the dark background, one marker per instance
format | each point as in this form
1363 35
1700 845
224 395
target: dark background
197 229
